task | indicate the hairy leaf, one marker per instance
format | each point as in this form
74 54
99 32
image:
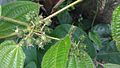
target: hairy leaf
116 27
72 63
15 10
78 35
81 61
11 55
85 60
57 55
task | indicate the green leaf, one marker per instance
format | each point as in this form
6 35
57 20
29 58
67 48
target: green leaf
103 30
31 55
57 55
15 10
83 23
64 18
108 48
11 55
95 38
72 62
31 65
81 61
85 60
116 27
111 57
64 29
109 65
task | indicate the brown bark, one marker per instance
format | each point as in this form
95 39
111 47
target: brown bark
101 10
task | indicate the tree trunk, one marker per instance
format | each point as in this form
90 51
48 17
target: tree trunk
98 11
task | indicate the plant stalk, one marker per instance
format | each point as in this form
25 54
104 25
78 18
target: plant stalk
61 10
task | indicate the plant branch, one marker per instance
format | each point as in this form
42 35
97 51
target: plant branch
61 10
48 36
30 33
52 37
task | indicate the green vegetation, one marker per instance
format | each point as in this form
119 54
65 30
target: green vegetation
28 40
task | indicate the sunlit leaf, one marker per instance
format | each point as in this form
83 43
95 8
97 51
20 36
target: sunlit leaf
11 55
116 27
57 55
